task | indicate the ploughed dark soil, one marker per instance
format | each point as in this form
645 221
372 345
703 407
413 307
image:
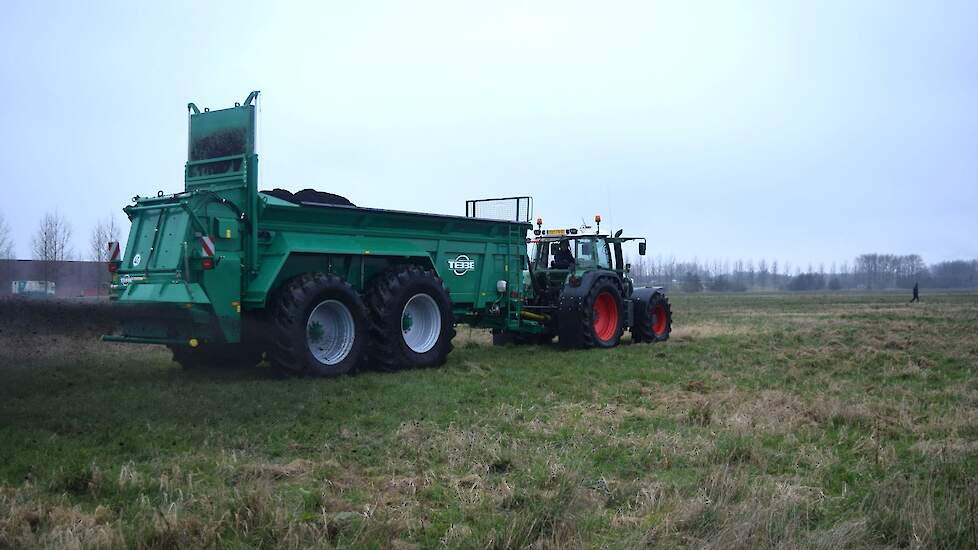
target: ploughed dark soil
37 318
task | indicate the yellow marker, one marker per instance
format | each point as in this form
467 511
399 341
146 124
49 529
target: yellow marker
227 233
193 342
236 306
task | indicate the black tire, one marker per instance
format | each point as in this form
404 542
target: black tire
387 299
590 337
649 327
296 301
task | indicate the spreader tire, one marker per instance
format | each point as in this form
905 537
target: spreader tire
653 319
602 316
412 324
319 326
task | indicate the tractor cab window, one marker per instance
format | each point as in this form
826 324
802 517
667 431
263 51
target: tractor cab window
603 257
561 255
585 252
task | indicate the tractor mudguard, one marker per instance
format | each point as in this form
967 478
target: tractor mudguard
640 297
572 307
644 293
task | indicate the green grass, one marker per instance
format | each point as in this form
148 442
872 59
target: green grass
767 420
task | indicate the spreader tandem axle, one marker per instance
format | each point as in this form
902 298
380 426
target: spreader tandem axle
224 274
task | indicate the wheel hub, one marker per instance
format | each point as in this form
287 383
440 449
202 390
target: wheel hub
605 316
421 323
330 332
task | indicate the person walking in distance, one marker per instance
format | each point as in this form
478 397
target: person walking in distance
916 293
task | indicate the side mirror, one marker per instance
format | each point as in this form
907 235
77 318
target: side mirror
641 248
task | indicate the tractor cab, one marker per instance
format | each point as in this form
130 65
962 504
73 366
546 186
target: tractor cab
558 255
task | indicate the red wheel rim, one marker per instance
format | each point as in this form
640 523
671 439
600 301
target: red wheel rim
605 316
659 320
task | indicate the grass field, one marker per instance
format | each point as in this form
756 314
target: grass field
767 420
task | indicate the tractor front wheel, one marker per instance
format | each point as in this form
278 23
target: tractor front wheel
319 326
653 319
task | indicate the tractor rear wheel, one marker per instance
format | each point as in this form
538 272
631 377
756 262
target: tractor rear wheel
319 326
602 319
412 324
653 319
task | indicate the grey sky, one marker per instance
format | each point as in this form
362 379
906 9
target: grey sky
781 130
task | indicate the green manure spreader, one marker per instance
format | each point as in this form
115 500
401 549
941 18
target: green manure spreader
224 274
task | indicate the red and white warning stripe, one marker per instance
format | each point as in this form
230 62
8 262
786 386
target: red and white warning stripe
207 246
113 251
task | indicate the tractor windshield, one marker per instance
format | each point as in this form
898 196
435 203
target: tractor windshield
593 252
571 252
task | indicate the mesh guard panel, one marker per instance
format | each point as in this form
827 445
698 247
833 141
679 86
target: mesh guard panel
519 209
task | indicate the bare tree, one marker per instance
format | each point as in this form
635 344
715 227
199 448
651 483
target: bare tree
105 230
6 243
52 241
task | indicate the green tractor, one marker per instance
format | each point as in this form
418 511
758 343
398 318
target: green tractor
578 287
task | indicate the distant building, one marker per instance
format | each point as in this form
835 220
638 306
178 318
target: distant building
71 279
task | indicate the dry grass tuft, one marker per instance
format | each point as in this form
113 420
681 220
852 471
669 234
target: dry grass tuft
295 468
770 411
26 522
707 329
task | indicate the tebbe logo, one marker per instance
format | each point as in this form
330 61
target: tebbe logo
461 265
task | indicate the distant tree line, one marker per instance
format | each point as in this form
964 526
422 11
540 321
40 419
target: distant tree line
868 272
52 240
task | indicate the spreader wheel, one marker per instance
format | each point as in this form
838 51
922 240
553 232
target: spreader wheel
412 324
653 319
319 326
601 320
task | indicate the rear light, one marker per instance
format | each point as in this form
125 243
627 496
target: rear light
575 280
207 250
114 261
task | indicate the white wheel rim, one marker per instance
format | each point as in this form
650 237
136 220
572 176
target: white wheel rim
421 323
330 332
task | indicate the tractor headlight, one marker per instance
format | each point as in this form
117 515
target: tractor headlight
501 286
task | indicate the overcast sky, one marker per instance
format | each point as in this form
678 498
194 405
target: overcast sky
796 131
